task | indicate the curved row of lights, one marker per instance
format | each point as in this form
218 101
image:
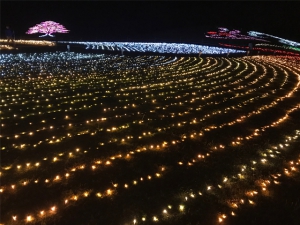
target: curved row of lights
182 75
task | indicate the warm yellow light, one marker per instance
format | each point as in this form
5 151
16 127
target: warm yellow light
29 218
181 207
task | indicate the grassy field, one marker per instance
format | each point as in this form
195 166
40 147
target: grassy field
106 139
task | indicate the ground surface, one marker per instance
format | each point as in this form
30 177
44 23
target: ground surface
105 139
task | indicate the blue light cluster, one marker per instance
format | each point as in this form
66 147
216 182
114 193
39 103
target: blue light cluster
281 40
70 63
155 47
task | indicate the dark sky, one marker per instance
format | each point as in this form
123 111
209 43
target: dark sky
149 21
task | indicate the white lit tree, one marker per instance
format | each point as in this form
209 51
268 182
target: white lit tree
47 28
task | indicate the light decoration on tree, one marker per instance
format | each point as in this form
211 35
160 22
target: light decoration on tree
224 33
47 28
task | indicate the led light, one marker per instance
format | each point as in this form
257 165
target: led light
48 28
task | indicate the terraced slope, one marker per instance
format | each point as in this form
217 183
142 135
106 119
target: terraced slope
98 139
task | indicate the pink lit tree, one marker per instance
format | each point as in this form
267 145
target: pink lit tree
47 28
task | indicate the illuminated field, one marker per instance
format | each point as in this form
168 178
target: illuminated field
100 139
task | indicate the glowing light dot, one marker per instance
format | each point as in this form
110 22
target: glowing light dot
29 218
181 207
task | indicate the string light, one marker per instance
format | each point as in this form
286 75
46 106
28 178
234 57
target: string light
29 42
188 100
154 47
225 33
281 40
47 28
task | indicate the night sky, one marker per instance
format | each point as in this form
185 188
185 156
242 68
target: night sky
152 21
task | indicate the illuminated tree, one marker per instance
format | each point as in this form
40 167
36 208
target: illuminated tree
47 28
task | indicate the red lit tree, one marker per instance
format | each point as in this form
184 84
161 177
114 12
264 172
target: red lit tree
47 28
